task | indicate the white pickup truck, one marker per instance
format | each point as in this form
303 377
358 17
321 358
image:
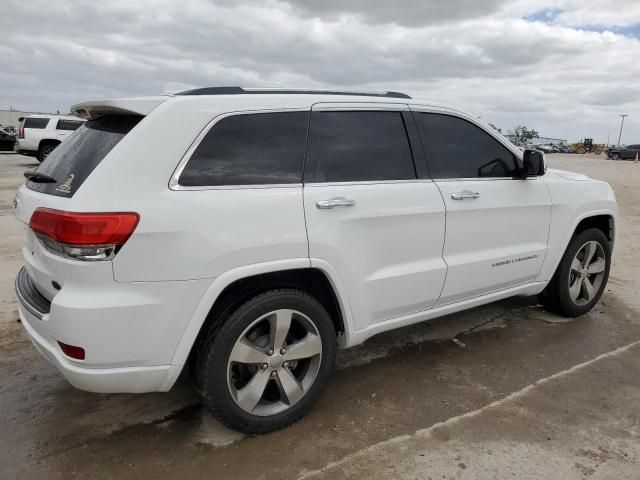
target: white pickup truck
38 135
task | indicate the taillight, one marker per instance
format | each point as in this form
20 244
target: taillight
83 236
21 130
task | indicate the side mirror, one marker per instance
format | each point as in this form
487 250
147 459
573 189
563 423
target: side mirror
533 164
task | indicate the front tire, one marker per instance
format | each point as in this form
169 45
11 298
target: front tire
267 363
581 276
615 156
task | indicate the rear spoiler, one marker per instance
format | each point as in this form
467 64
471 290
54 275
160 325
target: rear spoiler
123 106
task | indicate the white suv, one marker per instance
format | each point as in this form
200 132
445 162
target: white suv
249 233
39 135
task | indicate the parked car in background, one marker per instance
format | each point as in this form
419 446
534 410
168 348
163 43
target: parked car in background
265 229
39 135
7 139
546 148
566 149
532 146
623 153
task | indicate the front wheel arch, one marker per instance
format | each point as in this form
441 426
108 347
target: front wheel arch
605 223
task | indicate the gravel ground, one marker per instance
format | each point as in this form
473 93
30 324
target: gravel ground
531 395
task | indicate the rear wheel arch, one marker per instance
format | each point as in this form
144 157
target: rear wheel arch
45 148
48 142
312 281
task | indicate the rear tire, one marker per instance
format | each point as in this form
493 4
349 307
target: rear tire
581 276
250 368
44 152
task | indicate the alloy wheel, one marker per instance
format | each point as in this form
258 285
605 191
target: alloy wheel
587 273
274 362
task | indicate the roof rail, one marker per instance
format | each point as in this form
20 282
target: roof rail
286 91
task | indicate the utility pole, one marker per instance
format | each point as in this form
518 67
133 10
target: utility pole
621 125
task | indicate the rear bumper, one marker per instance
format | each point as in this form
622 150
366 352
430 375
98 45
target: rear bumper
124 341
21 146
101 380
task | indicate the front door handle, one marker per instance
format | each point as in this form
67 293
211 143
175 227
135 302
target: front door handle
464 195
335 202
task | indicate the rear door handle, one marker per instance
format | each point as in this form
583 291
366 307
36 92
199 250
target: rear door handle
464 195
335 202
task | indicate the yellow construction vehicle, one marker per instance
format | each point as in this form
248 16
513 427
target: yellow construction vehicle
587 146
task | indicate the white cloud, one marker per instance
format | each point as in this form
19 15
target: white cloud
535 62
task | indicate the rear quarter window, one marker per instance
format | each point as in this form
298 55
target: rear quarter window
71 163
39 123
250 149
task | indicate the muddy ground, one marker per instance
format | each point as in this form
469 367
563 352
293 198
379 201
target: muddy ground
531 395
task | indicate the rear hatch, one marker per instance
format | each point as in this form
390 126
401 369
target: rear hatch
52 187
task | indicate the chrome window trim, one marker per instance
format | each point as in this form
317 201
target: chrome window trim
174 181
367 182
183 188
481 179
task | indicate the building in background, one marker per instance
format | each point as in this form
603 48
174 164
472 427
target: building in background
548 140
10 118
541 140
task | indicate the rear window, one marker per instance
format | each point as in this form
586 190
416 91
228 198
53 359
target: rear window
32 122
68 124
71 163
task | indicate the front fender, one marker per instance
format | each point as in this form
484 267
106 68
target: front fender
574 201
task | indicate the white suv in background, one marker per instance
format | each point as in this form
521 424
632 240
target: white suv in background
249 233
38 135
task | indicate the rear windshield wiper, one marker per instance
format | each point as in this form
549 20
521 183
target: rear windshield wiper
38 177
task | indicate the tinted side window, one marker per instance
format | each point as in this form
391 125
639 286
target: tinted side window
358 146
33 122
457 148
68 124
264 148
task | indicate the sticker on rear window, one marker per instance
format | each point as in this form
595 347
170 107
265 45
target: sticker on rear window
66 186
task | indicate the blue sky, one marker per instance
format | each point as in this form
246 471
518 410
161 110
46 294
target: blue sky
550 15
